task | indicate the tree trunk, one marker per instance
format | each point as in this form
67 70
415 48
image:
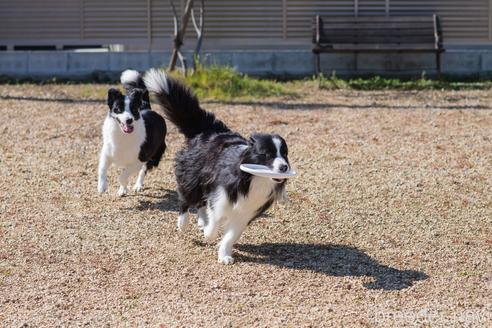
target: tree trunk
178 41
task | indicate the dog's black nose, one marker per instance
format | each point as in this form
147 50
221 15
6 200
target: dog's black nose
283 168
129 121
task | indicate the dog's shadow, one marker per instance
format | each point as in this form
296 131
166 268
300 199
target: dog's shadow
167 201
332 260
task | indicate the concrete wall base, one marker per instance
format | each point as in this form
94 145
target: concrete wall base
282 63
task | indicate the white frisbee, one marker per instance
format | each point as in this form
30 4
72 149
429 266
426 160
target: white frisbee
265 171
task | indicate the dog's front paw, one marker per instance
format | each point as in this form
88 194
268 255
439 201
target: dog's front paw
283 199
122 191
102 186
138 187
226 259
210 233
201 223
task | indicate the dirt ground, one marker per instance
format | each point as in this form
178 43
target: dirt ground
389 221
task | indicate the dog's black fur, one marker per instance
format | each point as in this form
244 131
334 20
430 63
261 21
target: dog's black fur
154 146
132 82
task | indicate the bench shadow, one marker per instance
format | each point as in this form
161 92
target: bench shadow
167 200
332 260
272 104
44 99
318 106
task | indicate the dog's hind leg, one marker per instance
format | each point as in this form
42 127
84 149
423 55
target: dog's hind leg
125 174
183 218
215 214
214 218
140 179
232 232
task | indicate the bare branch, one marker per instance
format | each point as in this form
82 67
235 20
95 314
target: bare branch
202 11
199 32
198 27
175 19
183 62
179 38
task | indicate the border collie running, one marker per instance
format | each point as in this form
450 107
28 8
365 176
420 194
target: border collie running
133 135
207 169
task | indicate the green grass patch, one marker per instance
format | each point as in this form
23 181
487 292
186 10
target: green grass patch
381 83
225 83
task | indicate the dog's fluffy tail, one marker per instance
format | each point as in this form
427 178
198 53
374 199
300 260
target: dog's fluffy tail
132 79
181 106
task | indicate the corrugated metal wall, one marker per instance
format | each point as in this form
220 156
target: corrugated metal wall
371 8
114 19
236 23
462 20
39 20
243 19
300 14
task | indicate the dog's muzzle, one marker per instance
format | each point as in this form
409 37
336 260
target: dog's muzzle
127 126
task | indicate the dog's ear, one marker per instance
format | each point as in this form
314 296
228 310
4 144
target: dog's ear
145 96
113 94
253 138
137 97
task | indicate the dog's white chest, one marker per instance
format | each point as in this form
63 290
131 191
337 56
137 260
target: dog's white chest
123 148
247 206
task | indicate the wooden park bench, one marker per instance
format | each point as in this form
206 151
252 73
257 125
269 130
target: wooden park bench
377 34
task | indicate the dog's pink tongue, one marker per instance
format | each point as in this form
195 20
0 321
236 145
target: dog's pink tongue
127 128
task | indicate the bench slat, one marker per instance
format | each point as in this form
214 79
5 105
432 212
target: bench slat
384 39
370 19
375 36
379 25
378 31
376 47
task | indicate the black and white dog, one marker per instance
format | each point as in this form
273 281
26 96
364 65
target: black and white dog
207 169
133 134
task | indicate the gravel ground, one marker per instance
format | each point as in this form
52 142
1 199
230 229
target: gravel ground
389 221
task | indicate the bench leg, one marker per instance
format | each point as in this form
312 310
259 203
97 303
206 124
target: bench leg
317 64
356 62
438 64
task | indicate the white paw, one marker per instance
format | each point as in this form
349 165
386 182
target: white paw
226 259
201 223
122 191
284 199
182 222
138 187
102 186
209 234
